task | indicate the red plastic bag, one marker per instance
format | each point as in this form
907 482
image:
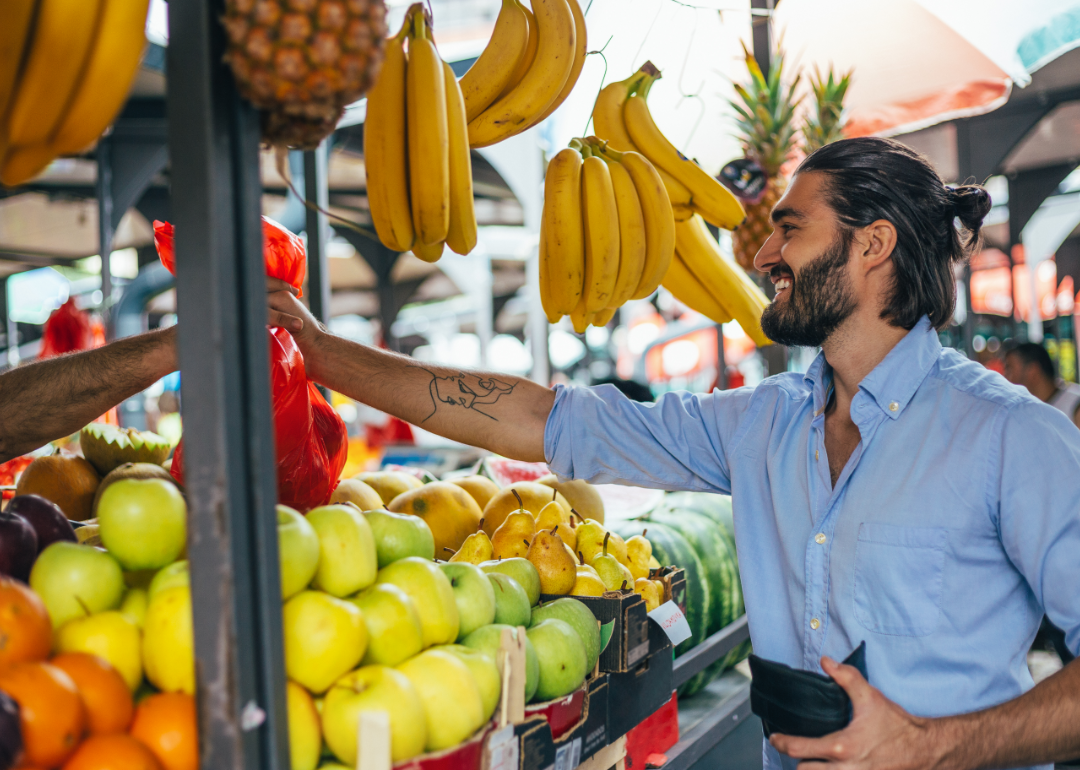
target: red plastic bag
68 330
310 440
283 251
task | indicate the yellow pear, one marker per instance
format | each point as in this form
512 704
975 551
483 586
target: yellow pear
558 572
133 607
659 589
109 635
590 539
168 645
477 548
588 583
638 553
647 589
613 573
653 563
555 515
514 535
521 494
481 488
569 550
581 495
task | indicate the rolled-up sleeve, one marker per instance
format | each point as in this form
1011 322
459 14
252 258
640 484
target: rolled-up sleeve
1040 509
678 443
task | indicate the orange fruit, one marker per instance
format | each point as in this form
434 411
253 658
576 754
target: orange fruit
51 713
66 480
107 699
112 752
25 629
165 723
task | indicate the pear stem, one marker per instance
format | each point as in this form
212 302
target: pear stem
554 494
521 505
451 550
607 536
480 526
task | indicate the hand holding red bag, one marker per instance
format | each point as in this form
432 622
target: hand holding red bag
309 436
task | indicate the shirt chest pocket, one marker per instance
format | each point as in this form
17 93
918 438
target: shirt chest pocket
899 576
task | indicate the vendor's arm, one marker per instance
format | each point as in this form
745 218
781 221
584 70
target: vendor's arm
499 412
50 399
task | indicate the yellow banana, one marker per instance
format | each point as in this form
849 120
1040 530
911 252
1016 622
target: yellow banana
580 318
682 211
526 61
552 314
386 160
461 236
581 47
515 111
601 234
605 315
107 79
609 125
429 139
428 252
564 230
54 64
24 163
685 288
710 197
632 238
659 222
498 62
15 35
720 277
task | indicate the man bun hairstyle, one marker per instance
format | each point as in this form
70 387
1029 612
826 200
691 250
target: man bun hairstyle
870 179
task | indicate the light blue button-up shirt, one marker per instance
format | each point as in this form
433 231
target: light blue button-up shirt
953 527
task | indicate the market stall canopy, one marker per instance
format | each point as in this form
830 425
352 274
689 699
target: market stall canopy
921 62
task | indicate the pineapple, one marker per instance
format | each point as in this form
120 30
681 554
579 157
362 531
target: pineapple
766 122
827 125
302 61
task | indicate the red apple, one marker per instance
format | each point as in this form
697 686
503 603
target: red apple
45 517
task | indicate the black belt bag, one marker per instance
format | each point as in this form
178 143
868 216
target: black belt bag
792 701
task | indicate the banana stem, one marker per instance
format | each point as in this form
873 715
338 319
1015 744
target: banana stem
645 85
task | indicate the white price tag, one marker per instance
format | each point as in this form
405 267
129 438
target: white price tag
503 750
671 619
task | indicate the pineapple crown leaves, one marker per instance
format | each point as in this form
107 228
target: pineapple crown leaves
828 125
765 113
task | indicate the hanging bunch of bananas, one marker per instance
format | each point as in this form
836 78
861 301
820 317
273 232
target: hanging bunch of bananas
66 67
621 115
416 148
526 71
607 234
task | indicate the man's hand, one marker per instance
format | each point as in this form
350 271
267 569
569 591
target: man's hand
286 311
881 735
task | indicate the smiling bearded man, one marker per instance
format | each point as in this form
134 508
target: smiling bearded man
896 493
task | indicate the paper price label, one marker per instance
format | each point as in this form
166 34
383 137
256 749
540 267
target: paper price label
503 750
672 621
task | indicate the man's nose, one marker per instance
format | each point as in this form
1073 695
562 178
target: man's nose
768 255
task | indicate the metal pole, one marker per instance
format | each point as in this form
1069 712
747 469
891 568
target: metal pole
105 217
317 193
229 436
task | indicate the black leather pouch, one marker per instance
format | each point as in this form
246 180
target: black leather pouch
797 702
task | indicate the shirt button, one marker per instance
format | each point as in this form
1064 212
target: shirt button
814 623
816 455
819 538
893 406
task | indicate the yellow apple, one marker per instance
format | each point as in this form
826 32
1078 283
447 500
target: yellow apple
168 648
298 551
393 625
347 557
133 606
484 673
432 594
453 709
374 688
109 635
324 638
305 734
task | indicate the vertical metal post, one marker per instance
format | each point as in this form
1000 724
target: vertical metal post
105 217
229 435
317 192
721 361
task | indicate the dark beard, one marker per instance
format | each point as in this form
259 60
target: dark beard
819 300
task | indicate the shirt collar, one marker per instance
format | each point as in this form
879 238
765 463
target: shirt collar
893 382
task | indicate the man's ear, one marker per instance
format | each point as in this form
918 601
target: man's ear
877 242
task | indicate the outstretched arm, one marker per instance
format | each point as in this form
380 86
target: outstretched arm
498 412
47 400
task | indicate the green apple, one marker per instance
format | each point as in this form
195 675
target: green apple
453 709
133 606
487 639
76 580
347 559
305 735
580 618
521 570
298 551
324 638
143 522
398 535
374 688
482 667
561 655
169 576
511 601
432 594
393 625
473 594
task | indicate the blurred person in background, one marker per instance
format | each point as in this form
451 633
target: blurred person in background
1029 364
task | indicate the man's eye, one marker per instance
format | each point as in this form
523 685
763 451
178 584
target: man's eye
787 229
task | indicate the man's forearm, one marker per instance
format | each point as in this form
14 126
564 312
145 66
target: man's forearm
47 400
1040 727
498 412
